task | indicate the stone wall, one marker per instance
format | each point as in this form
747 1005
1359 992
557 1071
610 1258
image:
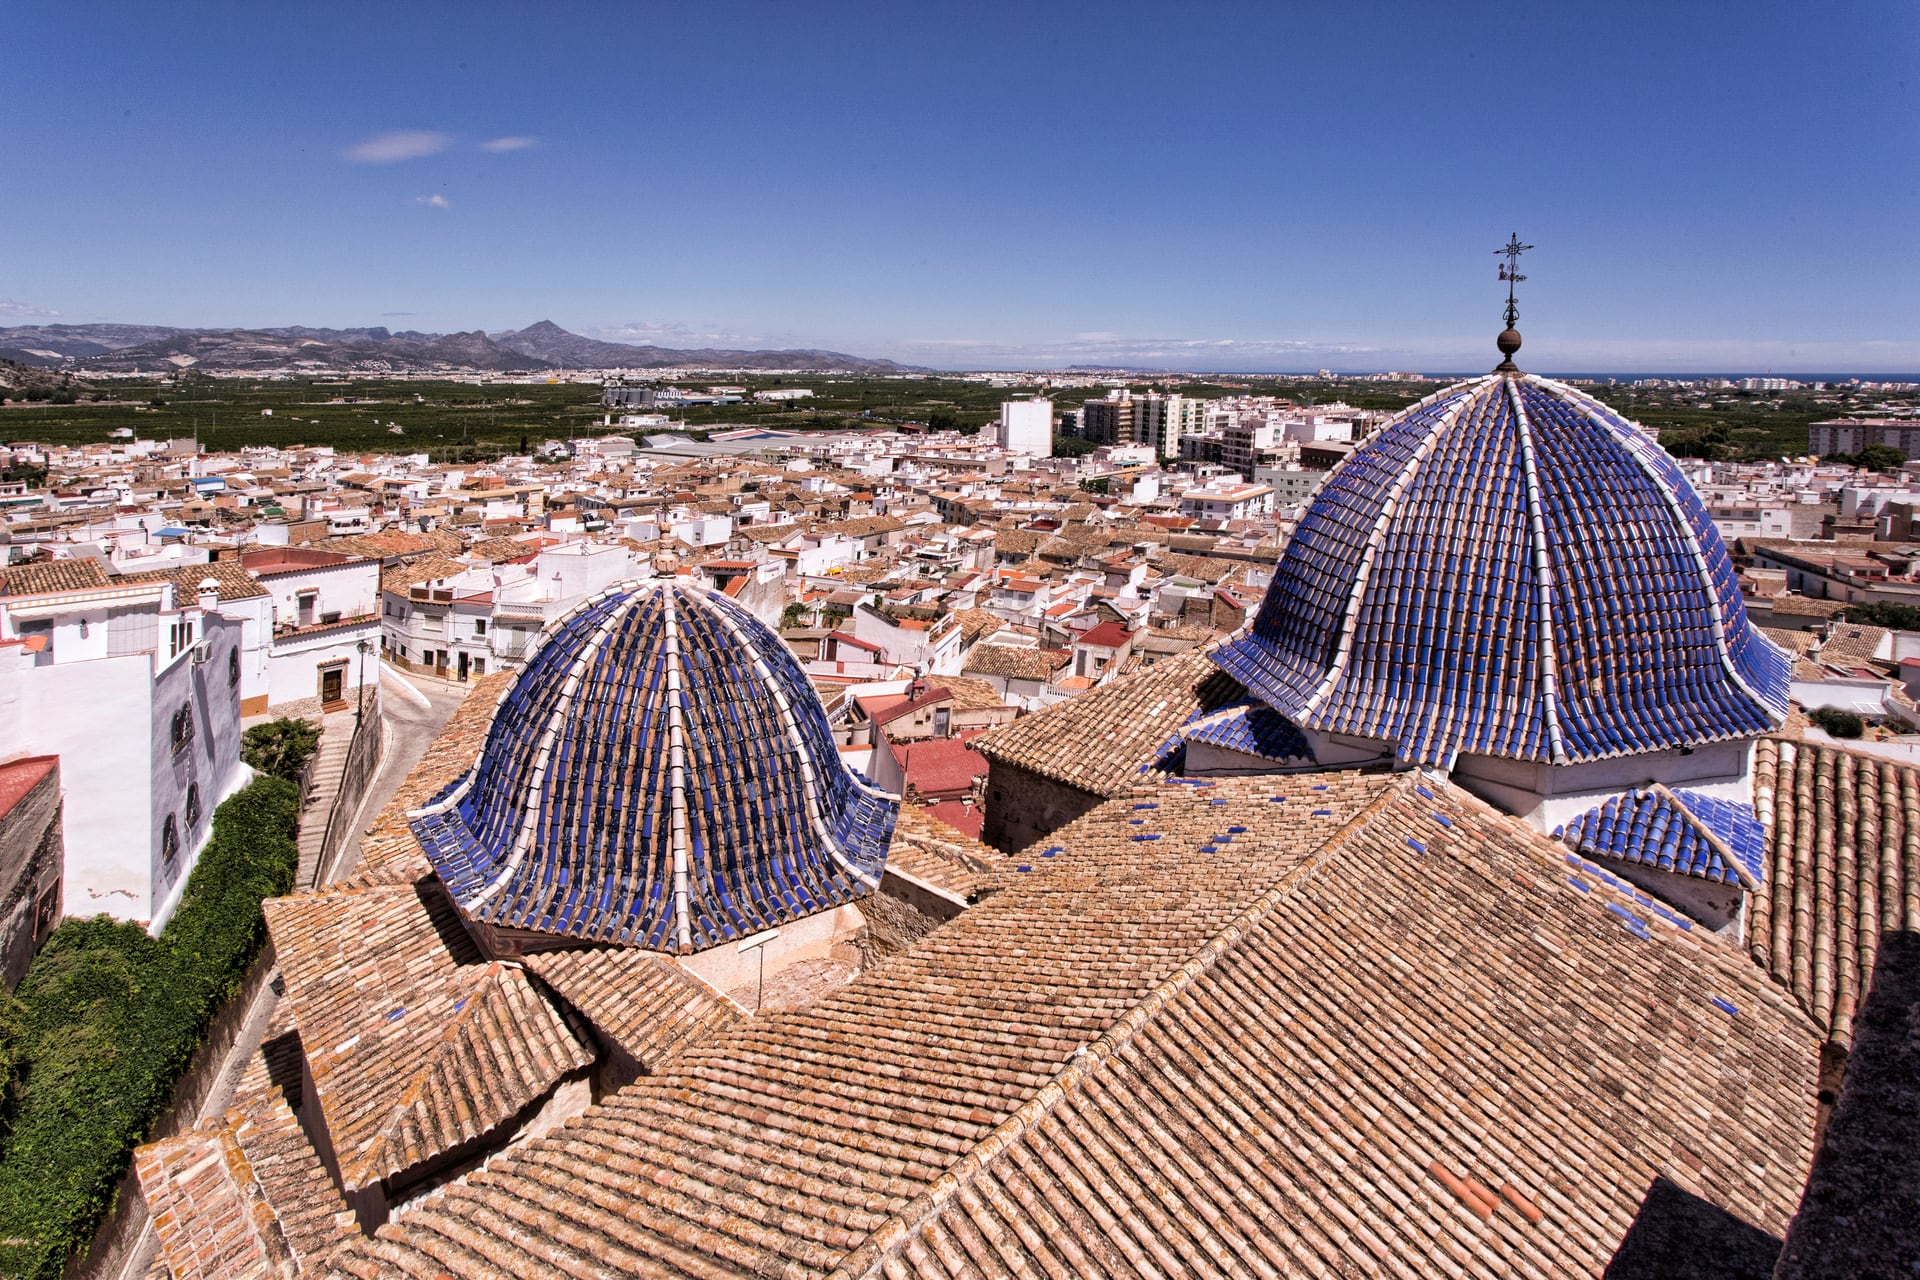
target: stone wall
30 856
1023 807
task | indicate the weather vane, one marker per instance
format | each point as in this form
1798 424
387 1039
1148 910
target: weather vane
1510 272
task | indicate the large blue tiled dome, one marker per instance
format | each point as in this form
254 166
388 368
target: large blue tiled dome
1508 568
660 774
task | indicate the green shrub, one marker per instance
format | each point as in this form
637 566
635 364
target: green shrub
106 1020
280 747
1882 613
1838 723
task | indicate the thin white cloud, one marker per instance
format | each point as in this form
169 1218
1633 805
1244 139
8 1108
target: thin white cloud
513 142
389 315
24 310
397 144
434 201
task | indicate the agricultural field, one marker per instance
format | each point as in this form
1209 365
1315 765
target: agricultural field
470 420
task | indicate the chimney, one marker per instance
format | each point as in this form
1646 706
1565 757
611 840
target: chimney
209 594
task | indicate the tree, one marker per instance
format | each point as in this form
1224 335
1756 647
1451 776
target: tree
1837 723
280 747
1879 457
794 615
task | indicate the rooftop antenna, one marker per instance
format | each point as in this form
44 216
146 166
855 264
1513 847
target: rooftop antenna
1509 339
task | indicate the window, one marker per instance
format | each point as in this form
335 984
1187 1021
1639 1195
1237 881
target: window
233 668
193 804
479 626
182 732
169 843
47 910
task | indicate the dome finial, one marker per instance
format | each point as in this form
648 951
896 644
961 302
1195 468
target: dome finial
1509 339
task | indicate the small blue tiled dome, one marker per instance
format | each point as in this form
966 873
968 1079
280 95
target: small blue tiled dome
1508 568
660 774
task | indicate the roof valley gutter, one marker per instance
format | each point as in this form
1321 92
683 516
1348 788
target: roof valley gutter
1543 580
1636 443
677 777
1381 523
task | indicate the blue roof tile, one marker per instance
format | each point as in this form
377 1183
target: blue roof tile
567 822
1684 832
1510 569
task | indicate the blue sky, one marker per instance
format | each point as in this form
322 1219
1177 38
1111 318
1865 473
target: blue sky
1263 186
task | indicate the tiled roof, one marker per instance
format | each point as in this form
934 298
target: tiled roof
1851 644
415 1046
242 1197
1510 569
1102 740
1688 833
931 851
390 851
970 694
78 574
1384 1033
660 774
426 569
641 1000
1015 662
1843 866
235 582
1806 606
1251 728
1791 641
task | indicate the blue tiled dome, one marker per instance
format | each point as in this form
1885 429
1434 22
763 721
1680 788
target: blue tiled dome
1508 568
660 774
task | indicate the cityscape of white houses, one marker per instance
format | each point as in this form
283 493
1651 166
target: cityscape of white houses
162 597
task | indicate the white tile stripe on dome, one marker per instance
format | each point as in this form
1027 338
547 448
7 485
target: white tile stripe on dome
1543 584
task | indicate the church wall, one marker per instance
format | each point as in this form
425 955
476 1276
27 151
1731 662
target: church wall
1024 807
819 936
1548 796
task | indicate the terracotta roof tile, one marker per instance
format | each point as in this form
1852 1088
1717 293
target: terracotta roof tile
242 1196
414 1045
1102 740
1843 866
78 574
641 1000
1281 1055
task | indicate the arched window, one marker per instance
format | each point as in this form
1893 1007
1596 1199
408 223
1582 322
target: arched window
233 667
193 804
182 726
169 842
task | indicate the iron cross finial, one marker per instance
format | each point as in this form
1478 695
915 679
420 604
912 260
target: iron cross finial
1510 272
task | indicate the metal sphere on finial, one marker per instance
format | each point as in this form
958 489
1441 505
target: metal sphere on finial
1509 339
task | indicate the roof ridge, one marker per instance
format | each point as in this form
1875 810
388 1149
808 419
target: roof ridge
1707 833
886 1240
1543 580
409 1099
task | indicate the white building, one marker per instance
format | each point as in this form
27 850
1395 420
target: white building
1228 500
324 606
137 690
1026 426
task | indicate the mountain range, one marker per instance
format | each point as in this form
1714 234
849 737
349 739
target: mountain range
138 348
